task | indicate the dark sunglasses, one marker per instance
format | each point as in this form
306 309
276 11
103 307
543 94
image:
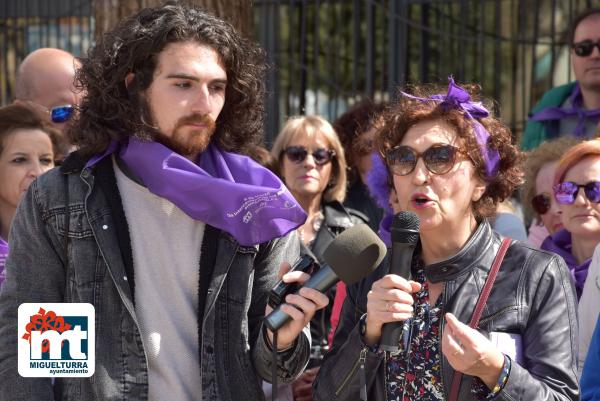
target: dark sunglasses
438 159
541 203
585 48
566 192
60 114
297 154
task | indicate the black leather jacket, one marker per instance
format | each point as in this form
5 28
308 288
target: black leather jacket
337 218
533 296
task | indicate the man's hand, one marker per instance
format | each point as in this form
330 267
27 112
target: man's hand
305 304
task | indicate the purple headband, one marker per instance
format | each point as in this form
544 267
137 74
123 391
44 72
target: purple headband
459 98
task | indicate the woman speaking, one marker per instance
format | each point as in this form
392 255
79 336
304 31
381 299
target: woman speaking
451 163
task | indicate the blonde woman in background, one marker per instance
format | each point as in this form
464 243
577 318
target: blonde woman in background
309 158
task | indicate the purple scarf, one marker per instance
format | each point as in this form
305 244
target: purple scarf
577 110
226 190
560 243
3 256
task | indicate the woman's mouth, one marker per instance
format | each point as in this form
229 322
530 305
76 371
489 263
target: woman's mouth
420 201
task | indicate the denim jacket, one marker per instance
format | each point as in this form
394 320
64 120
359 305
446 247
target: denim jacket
234 353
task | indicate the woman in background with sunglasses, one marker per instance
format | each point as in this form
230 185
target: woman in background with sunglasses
27 150
538 195
310 159
577 192
451 163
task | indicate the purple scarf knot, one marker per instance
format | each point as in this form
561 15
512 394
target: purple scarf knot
458 98
576 110
226 190
561 244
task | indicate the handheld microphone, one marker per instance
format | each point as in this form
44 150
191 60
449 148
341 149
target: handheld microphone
351 256
307 263
405 235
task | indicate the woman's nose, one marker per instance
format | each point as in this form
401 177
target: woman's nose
309 161
420 174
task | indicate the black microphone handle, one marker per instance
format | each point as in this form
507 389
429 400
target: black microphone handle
400 264
321 281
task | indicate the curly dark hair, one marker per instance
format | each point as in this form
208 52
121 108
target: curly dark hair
401 116
350 126
110 110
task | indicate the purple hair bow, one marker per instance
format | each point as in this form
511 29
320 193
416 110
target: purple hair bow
458 98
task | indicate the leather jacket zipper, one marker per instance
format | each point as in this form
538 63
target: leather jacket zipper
360 361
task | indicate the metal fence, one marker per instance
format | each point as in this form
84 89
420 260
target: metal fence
26 25
327 54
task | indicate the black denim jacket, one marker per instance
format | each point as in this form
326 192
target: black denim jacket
234 354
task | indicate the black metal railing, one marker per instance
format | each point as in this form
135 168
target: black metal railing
327 54
26 25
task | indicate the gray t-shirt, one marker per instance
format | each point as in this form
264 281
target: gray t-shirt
166 245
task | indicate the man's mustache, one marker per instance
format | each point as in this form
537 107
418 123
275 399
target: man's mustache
203 119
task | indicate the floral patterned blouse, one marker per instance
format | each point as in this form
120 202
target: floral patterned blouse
416 375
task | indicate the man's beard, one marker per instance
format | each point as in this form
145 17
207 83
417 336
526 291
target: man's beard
187 140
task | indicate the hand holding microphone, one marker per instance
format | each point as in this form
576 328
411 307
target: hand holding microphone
390 299
351 256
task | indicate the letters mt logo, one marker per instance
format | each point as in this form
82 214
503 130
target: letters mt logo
56 340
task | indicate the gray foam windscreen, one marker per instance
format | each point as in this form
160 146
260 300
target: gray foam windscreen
355 253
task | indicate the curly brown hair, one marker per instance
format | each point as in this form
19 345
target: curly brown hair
350 126
112 111
406 112
547 152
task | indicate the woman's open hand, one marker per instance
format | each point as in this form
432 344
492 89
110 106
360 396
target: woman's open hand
470 352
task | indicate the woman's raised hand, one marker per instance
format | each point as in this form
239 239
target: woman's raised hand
470 352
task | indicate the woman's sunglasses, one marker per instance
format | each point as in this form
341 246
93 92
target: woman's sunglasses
438 159
585 48
541 203
297 154
566 192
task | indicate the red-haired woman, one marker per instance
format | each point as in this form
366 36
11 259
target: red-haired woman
577 191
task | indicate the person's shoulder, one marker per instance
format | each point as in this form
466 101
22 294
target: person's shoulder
556 96
336 214
532 258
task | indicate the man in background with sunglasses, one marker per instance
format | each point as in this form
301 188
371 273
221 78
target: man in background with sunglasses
572 109
45 82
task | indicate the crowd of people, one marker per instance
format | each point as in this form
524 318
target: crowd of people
136 179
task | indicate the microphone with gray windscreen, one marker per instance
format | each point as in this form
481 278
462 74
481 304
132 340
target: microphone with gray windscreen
405 236
351 256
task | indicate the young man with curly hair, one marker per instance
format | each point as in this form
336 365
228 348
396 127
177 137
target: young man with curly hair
161 223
